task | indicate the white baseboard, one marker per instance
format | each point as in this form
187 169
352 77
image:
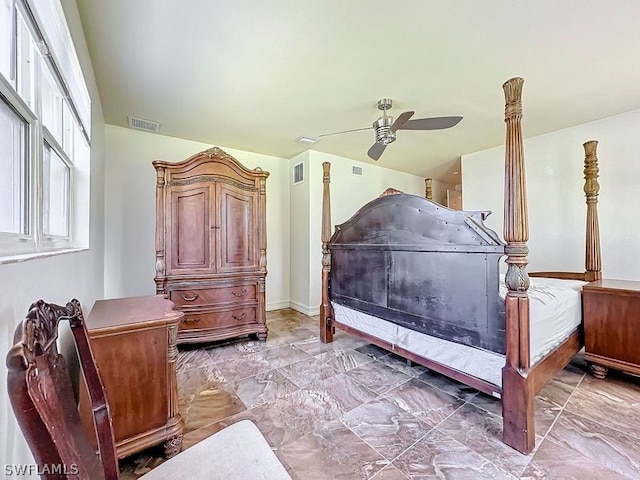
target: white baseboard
306 309
278 305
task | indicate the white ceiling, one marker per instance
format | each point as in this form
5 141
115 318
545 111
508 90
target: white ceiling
256 74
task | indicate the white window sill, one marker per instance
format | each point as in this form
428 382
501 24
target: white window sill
23 257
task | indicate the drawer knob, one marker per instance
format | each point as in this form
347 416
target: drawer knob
191 320
187 298
240 293
239 317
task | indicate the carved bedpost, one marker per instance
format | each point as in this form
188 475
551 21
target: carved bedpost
518 388
326 330
428 192
592 259
160 277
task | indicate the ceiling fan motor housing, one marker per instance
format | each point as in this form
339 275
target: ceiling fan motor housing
382 127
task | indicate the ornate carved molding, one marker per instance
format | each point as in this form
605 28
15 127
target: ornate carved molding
160 177
212 179
173 348
40 330
390 191
516 225
172 446
593 259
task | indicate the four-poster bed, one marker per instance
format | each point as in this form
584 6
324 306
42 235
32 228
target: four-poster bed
423 281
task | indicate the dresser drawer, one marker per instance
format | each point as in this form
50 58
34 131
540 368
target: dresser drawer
213 320
214 295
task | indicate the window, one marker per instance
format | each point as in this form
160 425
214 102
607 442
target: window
56 174
44 119
13 181
26 57
6 37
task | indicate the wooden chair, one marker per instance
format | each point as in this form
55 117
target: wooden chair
43 401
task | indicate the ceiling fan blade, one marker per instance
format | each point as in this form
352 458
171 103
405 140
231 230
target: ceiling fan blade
345 131
434 123
401 120
375 152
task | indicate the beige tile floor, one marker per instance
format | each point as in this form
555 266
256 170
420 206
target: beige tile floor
349 410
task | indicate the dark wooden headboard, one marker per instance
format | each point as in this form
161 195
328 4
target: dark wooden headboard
422 266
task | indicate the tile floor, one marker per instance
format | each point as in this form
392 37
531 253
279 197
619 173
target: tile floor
349 410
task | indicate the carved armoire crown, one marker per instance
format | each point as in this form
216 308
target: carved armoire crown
211 245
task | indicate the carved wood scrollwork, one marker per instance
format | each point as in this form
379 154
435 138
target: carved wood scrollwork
593 260
212 179
516 223
40 330
390 191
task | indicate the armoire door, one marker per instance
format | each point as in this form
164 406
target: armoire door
191 223
238 233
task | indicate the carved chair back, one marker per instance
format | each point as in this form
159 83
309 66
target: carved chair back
42 397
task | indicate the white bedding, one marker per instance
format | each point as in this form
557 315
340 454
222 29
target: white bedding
555 312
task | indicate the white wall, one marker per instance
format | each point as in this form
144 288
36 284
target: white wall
557 210
130 211
439 191
58 278
348 193
299 220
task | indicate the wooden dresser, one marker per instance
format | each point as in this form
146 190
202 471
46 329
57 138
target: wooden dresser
133 341
612 326
211 245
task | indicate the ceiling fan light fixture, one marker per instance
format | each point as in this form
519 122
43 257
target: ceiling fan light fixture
386 139
385 127
382 127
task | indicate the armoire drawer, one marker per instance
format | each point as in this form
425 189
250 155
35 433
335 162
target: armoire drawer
212 320
214 295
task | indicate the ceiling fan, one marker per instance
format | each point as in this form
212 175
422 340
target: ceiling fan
386 126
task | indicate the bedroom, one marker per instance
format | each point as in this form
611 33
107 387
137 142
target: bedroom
120 259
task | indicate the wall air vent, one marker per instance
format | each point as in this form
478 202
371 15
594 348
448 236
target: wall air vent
356 170
298 173
142 124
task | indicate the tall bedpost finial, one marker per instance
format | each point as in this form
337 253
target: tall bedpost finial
326 330
326 206
593 260
517 409
516 223
428 192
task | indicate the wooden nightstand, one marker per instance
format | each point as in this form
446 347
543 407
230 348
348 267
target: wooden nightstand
612 326
133 341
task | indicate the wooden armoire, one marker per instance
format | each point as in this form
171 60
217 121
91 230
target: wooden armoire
211 245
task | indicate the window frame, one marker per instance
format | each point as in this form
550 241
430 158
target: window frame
18 243
68 147
51 241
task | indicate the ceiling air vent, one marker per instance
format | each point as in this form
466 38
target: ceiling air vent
356 170
142 124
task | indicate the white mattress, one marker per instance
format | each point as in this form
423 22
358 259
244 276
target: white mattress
555 312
